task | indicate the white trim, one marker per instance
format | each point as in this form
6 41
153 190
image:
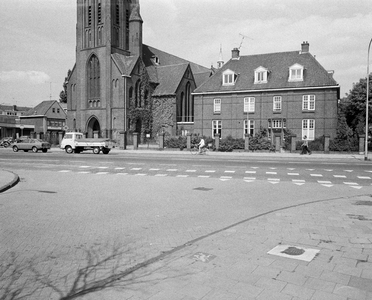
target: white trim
268 90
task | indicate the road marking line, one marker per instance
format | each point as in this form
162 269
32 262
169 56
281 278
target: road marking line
316 175
291 169
272 168
84 172
161 175
203 176
190 171
327 185
229 172
249 178
140 174
119 168
171 170
364 177
226 177
356 187
102 167
272 173
84 167
348 171
136 169
122 174
350 183
210 171
154 169
64 171
298 180
250 172
254 167
328 170
368 171
183 176
101 173
310 169
339 176
293 174
273 179
324 182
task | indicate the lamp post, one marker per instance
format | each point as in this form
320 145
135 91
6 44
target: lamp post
367 104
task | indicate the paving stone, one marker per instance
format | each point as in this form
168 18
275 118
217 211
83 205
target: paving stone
271 284
298 291
321 295
292 277
344 269
273 295
320 284
246 290
350 292
361 283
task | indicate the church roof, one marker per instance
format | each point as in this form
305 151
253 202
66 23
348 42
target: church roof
278 65
169 78
165 59
125 63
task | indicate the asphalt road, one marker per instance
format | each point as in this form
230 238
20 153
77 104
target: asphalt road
151 206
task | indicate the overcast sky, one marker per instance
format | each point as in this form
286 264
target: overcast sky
38 37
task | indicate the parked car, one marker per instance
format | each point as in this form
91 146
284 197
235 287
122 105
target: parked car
30 144
6 141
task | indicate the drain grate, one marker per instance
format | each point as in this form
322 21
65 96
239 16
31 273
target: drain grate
203 257
294 252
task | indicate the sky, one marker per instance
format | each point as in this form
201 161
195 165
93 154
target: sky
38 37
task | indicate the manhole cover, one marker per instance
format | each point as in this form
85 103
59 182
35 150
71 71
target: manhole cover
368 203
294 252
204 189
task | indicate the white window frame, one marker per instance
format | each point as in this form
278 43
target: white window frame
276 124
308 102
216 127
249 104
228 77
251 127
296 73
217 106
277 103
308 129
260 75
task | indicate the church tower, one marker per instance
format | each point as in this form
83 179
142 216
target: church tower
105 28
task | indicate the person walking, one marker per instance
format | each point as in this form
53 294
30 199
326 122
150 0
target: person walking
305 146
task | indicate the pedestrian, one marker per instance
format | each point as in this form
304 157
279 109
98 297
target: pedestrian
305 146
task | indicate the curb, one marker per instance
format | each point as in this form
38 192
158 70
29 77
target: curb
10 184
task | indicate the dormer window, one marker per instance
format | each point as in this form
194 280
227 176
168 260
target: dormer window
260 75
296 73
229 77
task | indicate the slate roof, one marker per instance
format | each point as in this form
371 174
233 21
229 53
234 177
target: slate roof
124 63
13 108
42 108
169 79
170 69
278 67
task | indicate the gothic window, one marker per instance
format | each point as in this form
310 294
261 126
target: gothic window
185 109
137 96
93 78
99 12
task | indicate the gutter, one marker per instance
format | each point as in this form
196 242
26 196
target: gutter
266 90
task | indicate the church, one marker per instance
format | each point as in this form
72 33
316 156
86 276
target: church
119 85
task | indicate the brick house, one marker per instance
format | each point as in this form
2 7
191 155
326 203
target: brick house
277 91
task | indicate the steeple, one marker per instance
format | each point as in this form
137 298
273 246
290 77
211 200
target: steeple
220 61
135 29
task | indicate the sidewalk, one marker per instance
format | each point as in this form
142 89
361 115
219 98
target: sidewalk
7 180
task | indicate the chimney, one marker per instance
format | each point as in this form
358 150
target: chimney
235 53
305 47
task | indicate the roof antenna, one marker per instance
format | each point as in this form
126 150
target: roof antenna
243 37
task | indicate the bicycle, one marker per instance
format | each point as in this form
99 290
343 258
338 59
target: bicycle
195 150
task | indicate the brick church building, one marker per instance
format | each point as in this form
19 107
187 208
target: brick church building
120 85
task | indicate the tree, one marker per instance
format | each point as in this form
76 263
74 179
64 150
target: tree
355 106
63 93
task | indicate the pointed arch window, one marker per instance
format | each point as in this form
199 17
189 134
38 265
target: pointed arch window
93 79
185 106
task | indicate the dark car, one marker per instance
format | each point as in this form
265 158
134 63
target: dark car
6 141
30 144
